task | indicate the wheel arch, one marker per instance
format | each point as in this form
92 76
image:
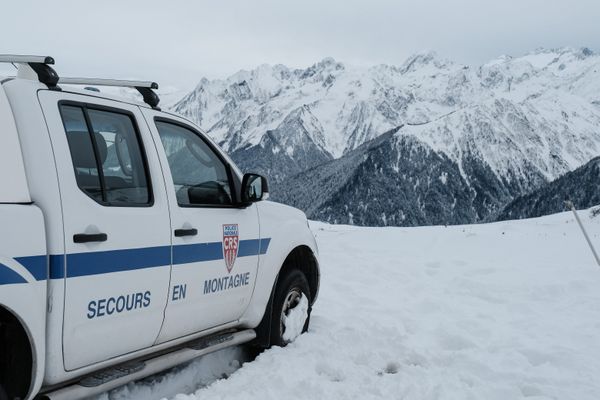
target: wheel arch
287 234
18 361
300 258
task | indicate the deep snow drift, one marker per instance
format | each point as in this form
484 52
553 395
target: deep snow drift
508 310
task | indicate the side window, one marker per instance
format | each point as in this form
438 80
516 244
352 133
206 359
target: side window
199 175
107 157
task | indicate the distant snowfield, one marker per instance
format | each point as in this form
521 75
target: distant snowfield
508 310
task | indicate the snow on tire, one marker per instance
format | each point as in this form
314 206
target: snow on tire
291 309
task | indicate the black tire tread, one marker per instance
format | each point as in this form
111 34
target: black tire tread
293 277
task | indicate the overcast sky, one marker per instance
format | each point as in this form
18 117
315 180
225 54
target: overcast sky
177 42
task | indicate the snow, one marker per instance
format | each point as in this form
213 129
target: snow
295 320
444 177
507 112
541 59
188 378
498 311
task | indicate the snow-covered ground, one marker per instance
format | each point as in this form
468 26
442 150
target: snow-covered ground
508 310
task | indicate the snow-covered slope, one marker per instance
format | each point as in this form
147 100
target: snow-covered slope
581 186
397 180
515 123
496 311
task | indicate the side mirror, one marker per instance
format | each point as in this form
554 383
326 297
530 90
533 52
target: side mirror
254 188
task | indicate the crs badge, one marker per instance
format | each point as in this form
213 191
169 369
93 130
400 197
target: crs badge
231 235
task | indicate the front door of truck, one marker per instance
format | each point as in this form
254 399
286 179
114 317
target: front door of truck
117 256
215 243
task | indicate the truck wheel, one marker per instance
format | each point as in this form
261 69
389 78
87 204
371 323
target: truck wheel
291 307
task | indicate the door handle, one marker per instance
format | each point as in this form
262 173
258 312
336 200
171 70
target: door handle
89 237
186 232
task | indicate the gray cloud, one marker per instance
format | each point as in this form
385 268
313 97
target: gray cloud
177 42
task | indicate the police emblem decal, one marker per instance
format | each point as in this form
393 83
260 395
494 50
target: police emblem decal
230 244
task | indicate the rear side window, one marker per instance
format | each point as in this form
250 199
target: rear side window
107 156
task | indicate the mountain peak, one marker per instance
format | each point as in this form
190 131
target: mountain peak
356 104
327 63
324 71
578 51
422 59
504 58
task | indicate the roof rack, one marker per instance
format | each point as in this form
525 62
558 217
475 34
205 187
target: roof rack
144 87
39 65
32 67
18 58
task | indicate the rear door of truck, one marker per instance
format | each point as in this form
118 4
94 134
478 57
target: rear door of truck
116 227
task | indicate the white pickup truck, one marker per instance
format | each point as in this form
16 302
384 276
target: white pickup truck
129 242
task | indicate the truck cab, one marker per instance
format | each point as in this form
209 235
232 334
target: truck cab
130 242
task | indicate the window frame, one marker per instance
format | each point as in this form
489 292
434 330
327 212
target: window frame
85 106
231 176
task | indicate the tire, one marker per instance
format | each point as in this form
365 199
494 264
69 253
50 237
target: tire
3 395
287 297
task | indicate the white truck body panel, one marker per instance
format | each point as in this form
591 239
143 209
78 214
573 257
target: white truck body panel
12 171
41 175
144 289
23 275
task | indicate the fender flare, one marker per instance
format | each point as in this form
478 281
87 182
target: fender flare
31 315
263 329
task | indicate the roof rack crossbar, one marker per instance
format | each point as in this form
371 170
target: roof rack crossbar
144 87
109 82
26 59
39 64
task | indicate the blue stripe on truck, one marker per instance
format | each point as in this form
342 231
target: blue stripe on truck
253 247
188 253
57 266
104 262
36 265
8 276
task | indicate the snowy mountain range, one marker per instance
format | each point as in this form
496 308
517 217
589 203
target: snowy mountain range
428 142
